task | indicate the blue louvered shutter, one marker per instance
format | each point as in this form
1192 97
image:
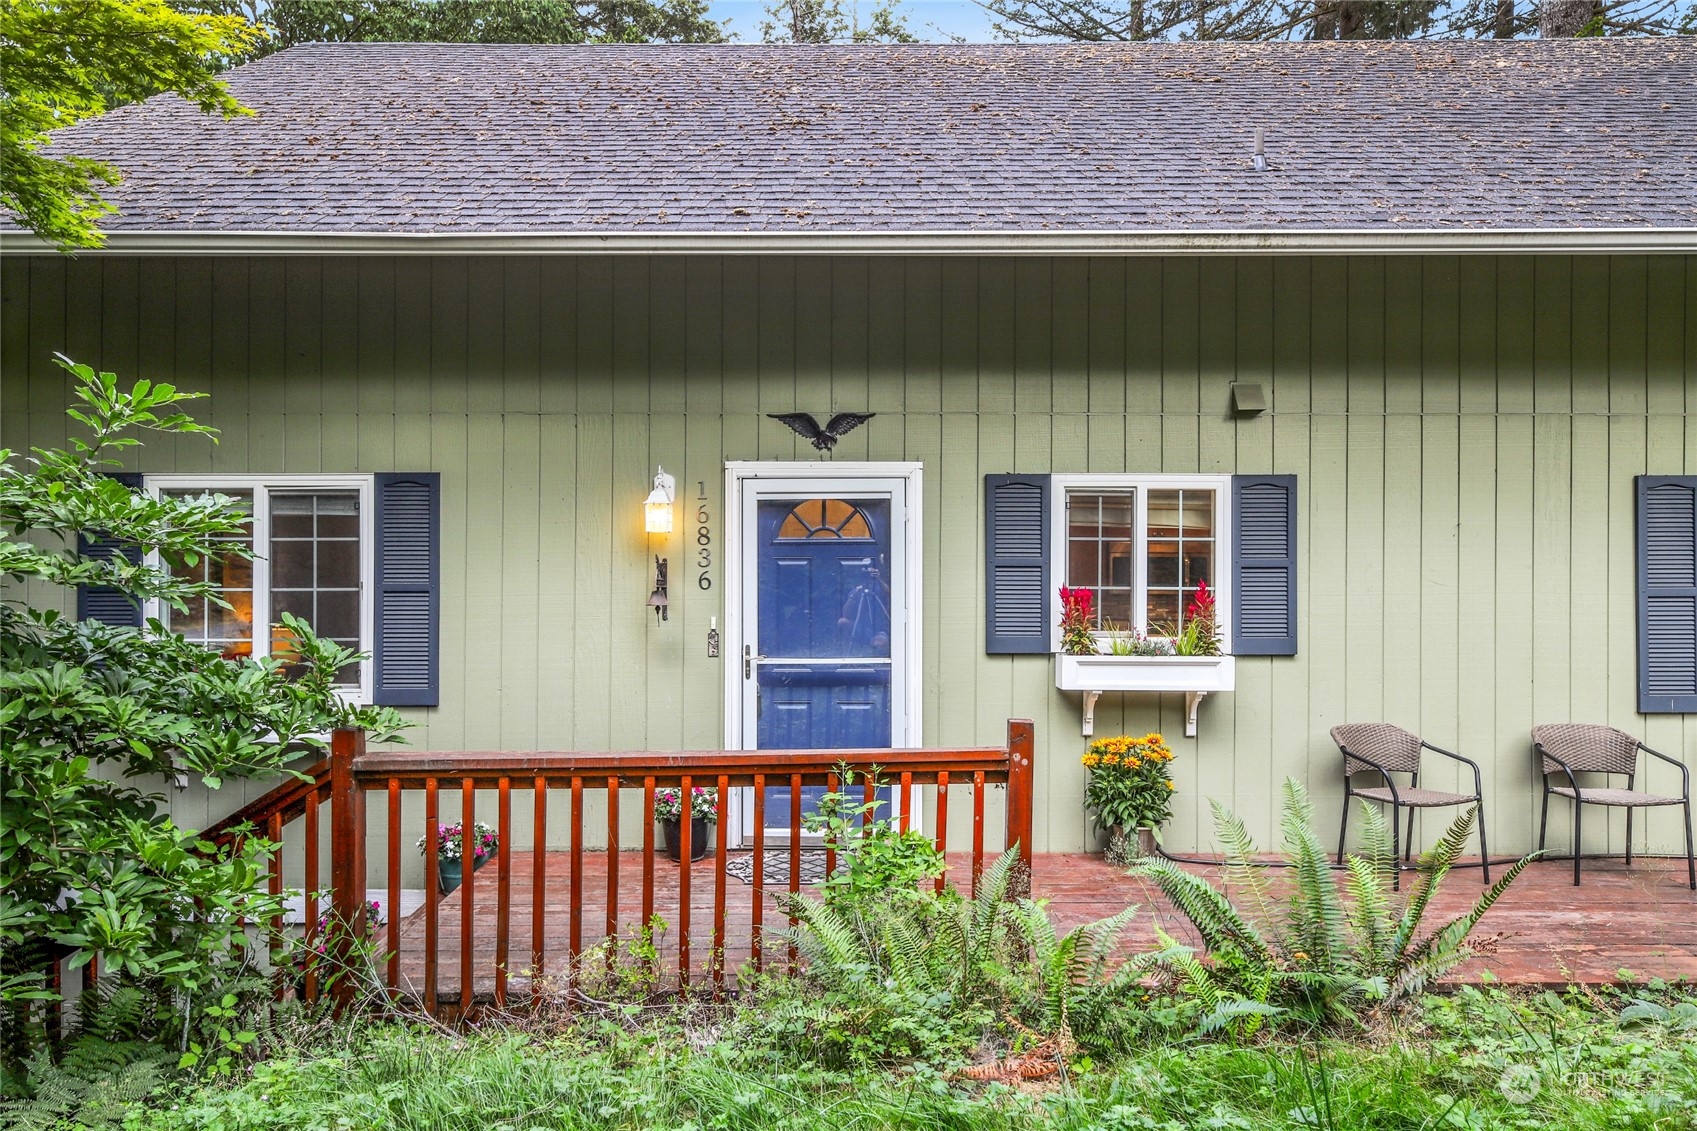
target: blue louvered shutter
99 602
1264 565
1016 540
1667 593
408 553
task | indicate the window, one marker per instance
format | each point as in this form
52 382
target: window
1142 545
312 537
825 518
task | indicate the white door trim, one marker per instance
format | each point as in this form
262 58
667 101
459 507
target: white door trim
907 713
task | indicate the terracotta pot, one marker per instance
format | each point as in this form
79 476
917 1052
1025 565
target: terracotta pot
700 836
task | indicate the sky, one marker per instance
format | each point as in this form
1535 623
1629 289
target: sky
929 20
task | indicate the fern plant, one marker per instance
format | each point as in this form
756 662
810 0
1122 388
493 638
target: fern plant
925 974
111 1063
1312 951
93 1087
933 943
1065 984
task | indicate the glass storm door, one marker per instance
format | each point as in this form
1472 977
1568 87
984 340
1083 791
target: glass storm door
824 643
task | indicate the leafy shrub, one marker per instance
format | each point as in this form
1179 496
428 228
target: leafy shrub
1313 955
90 713
876 860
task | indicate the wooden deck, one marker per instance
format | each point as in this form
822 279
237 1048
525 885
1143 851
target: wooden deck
1544 931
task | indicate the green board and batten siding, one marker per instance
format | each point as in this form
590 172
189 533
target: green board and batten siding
1464 432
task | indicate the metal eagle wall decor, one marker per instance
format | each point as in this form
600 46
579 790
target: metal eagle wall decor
803 424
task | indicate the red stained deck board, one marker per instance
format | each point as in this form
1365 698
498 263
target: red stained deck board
1544 931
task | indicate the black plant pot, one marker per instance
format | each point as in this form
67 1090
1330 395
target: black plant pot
449 873
699 836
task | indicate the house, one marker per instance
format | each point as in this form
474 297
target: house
1374 338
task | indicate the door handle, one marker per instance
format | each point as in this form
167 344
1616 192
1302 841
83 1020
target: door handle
748 659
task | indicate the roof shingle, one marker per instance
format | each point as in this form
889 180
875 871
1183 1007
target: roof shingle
425 138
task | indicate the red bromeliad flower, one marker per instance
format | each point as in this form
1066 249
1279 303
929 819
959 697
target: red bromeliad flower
1076 602
1076 639
1202 605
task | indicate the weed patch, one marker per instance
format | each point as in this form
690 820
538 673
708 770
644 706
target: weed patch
1450 1062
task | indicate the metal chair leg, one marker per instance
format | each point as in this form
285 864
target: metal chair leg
1544 821
1484 852
1343 827
1408 846
1578 838
1396 835
1629 836
1690 854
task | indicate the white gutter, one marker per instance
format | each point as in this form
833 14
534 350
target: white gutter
1290 241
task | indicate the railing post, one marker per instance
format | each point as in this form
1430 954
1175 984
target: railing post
347 859
1021 780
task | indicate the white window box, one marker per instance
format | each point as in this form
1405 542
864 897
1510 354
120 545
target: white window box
1194 677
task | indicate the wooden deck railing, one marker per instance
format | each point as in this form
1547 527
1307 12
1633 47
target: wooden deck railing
350 774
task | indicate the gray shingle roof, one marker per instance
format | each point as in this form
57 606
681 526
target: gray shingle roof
408 138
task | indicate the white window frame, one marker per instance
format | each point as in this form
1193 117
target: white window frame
1141 485
262 486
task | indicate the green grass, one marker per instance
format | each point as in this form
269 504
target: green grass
1567 1061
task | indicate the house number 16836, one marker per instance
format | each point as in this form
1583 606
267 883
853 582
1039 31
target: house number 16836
703 538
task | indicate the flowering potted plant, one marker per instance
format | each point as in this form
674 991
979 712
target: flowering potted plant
314 955
1188 660
1077 639
1200 635
451 851
669 810
1129 788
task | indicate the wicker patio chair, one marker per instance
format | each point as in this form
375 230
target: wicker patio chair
1568 749
1385 750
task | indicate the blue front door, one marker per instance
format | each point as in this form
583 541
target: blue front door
824 668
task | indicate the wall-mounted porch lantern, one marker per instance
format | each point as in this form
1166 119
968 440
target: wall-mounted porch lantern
657 519
657 511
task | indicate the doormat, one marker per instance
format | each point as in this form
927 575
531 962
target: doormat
777 867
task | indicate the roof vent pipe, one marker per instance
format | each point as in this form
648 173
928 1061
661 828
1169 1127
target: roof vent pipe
1260 150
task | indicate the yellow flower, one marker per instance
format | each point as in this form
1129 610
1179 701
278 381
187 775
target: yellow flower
1170 785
